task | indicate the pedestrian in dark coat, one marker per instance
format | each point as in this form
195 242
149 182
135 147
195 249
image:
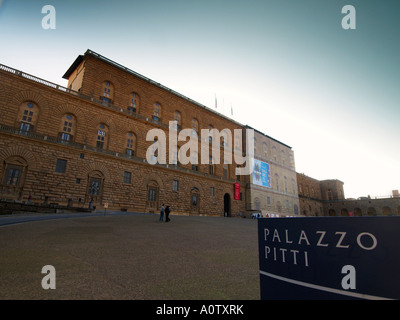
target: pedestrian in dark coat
167 211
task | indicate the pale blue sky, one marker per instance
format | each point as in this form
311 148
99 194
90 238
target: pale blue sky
286 67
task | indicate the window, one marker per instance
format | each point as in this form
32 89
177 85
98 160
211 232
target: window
274 152
13 175
175 155
133 102
194 199
226 171
130 144
67 128
94 187
101 137
283 156
285 183
157 112
175 185
178 119
127 177
108 92
61 165
154 150
195 161
210 166
27 116
195 126
152 194
268 200
210 138
212 191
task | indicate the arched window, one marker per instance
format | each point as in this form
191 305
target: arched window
152 201
94 190
265 150
13 177
102 136
130 144
210 138
157 112
195 126
178 119
195 200
27 117
283 156
226 171
195 161
211 166
174 159
285 183
274 153
67 128
277 181
293 187
134 102
107 94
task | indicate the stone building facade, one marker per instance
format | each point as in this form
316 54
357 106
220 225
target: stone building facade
272 188
326 198
310 196
87 144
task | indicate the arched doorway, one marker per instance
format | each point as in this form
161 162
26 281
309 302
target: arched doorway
152 201
371 211
227 205
94 189
344 212
194 201
331 213
386 211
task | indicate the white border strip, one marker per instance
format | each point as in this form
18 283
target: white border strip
317 287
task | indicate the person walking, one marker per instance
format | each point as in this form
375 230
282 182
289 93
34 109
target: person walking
167 211
162 210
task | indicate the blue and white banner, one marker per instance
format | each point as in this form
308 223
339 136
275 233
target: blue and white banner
261 173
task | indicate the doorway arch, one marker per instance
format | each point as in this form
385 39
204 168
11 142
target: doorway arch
227 205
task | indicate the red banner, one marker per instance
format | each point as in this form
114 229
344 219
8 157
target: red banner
237 191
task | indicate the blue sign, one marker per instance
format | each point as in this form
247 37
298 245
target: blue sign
261 173
329 258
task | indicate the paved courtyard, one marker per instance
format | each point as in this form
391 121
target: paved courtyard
131 256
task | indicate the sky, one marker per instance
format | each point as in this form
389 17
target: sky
287 68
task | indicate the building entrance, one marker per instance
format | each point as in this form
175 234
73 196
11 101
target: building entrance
227 205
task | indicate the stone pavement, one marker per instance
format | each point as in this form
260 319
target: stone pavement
131 256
